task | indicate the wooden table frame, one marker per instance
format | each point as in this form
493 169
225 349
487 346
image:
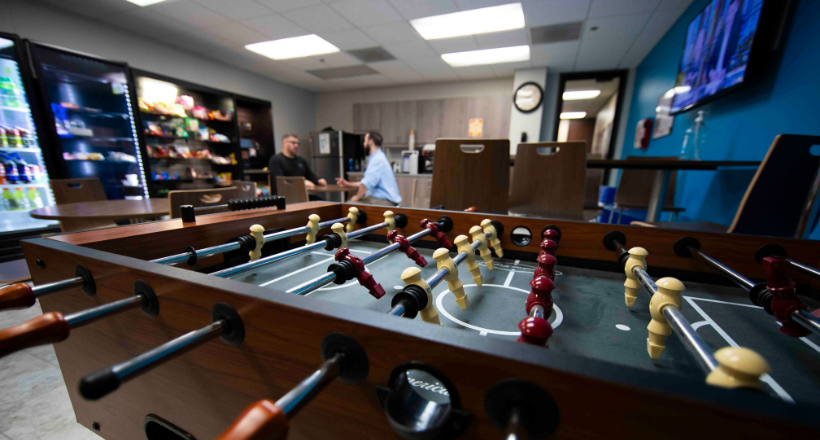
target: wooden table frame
204 390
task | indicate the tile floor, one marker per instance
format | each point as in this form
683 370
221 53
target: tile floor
34 402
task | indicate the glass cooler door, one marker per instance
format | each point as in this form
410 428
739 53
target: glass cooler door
23 176
89 102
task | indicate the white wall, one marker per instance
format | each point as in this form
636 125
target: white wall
529 123
604 118
336 108
294 109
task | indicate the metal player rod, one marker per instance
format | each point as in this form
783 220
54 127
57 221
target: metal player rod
436 278
802 317
691 339
324 280
268 419
106 380
799 267
54 327
228 247
291 253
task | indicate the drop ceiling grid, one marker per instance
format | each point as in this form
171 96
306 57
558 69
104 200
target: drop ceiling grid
211 28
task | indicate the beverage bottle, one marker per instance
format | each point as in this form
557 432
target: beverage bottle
35 201
22 168
686 151
34 170
20 198
700 136
8 200
3 180
4 138
350 164
16 138
12 175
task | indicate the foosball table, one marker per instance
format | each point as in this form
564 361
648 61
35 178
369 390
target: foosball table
437 325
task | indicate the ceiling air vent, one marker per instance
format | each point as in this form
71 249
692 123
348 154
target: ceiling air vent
372 54
555 33
343 72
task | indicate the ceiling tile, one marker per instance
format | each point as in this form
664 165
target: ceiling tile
288 5
504 70
236 9
147 22
346 40
366 12
411 9
661 21
494 40
398 71
234 35
413 49
557 56
433 68
475 4
361 82
600 54
189 13
195 41
544 12
674 4
326 61
457 44
321 18
275 27
614 8
616 28
475 72
393 33
94 8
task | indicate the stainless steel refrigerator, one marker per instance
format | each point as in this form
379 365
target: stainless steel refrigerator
333 153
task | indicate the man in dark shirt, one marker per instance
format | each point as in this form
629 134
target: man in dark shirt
289 164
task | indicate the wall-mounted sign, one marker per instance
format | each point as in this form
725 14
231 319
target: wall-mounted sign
663 120
476 128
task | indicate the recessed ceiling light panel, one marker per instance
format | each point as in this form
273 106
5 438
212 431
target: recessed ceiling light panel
295 47
573 115
145 2
581 94
475 21
488 56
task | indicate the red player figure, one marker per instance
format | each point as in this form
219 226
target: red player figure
439 236
552 234
541 293
784 301
404 246
364 277
546 267
535 331
548 246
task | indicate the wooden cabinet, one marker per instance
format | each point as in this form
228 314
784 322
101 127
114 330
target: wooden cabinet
433 118
428 120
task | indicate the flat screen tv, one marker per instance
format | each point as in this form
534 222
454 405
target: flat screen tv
719 49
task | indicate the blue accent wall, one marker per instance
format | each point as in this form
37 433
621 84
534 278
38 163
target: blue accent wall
741 125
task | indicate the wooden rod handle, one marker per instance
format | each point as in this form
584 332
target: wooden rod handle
17 296
44 329
262 420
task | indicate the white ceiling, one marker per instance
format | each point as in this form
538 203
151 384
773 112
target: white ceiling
626 31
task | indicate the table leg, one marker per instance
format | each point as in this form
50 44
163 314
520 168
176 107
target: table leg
656 200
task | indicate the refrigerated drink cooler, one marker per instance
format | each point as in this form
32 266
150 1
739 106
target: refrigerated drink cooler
23 175
88 103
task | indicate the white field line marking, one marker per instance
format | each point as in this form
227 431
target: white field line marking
805 340
295 272
765 378
508 281
559 315
699 324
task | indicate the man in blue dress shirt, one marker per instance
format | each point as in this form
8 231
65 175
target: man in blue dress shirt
378 186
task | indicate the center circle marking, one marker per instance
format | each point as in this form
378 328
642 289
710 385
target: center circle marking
559 315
